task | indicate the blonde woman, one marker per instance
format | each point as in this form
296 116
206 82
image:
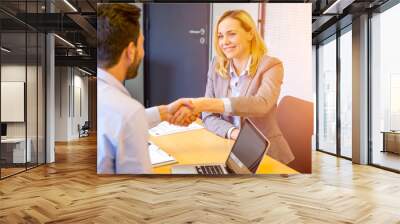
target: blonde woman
243 81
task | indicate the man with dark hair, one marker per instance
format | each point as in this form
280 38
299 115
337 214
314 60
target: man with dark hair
118 27
123 122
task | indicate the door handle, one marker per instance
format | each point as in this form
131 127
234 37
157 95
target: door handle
202 31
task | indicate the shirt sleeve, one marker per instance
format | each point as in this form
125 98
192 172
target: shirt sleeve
228 135
132 155
227 105
212 121
153 116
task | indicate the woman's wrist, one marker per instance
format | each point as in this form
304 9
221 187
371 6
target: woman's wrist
234 134
228 134
212 105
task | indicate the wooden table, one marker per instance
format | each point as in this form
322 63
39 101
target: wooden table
14 151
391 141
202 146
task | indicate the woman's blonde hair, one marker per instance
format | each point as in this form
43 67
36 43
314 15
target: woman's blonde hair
257 46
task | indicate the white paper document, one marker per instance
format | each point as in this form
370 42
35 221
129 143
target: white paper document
165 128
159 157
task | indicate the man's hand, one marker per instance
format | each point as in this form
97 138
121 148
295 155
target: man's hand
179 112
176 105
183 117
168 111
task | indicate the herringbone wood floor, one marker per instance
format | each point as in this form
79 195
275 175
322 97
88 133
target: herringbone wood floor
69 191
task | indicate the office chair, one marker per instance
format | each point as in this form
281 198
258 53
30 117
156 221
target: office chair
84 130
295 118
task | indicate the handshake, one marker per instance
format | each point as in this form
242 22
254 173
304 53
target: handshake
184 111
181 112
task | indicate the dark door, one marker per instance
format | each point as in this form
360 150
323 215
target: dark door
176 51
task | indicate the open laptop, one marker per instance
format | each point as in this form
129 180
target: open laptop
244 158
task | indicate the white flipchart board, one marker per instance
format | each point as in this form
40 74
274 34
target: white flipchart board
12 101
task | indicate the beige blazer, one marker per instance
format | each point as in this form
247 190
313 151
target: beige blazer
257 101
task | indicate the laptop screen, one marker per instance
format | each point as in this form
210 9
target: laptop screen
249 147
3 129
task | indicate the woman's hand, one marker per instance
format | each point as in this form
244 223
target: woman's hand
234 134
183 117
179 112
182 112
186 110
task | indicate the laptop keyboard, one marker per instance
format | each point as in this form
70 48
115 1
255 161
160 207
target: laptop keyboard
213 169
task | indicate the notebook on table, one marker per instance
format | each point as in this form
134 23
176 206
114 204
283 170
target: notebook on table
159 157
165 128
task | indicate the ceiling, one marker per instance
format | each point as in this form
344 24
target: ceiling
332 15
76 23
72 20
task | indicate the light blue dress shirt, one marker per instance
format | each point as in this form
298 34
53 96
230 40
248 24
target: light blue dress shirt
122 132
235 84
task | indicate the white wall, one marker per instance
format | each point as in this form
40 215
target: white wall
71 93
80 100
288 37
12 101
61 103
12 73
33 127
